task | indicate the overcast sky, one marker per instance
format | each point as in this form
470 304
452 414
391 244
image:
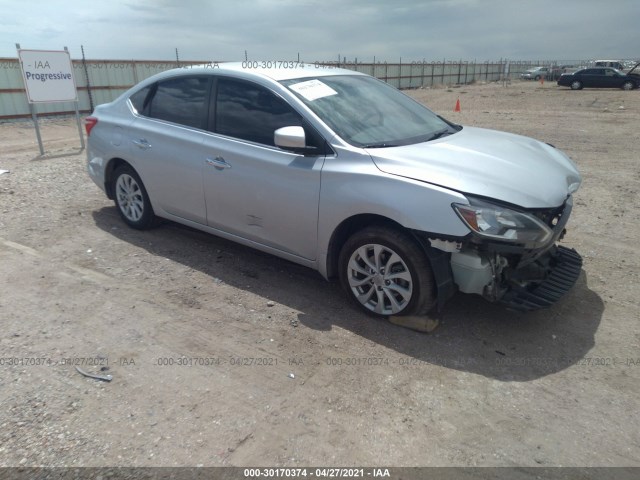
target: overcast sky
321 30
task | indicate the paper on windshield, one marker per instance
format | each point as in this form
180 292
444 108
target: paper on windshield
313 89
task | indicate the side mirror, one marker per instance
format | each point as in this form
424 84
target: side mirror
290 138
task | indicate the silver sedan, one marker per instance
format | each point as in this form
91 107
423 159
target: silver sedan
343 173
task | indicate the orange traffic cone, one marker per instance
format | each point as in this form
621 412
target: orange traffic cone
542 80
457 109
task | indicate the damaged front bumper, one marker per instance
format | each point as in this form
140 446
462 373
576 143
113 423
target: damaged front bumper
563 267
522 278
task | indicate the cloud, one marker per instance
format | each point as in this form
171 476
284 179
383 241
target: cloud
411 29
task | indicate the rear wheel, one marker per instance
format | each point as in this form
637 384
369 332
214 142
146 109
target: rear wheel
385 272
132 199
576 85
628 86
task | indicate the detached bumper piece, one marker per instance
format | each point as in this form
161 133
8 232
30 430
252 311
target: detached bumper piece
564 275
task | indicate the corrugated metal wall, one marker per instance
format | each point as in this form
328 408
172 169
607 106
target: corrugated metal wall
107 79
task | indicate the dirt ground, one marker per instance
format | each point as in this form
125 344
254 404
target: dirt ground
280 369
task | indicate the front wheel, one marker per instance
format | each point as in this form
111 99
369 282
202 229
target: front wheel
628 86
385 272
132 199
576 85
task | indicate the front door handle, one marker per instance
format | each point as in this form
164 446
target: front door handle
142 143
218 162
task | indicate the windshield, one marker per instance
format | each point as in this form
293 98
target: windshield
367 112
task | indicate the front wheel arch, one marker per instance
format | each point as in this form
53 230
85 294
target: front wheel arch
347 228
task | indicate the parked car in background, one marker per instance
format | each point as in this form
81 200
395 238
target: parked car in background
617 64
343 173
599 77
536 73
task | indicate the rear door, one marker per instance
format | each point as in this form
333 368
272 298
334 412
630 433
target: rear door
166 144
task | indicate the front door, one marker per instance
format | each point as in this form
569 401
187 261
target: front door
254 189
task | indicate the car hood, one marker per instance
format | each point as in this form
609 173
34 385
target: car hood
499 165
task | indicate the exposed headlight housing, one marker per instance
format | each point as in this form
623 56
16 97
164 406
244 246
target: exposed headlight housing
504 224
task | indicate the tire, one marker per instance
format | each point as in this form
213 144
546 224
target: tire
576 85
131 198
537 78
628 85
385 272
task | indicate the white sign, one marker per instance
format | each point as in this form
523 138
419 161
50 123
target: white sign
313 89
48 76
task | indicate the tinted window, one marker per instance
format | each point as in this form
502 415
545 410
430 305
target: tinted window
138 99
181 100
250 112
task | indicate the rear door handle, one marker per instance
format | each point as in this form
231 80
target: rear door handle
142 143
218 162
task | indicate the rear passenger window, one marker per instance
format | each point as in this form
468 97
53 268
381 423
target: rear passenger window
138 99
182 100
250 112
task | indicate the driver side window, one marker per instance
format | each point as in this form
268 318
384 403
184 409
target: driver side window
250 112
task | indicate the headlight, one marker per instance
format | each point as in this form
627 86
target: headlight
504 224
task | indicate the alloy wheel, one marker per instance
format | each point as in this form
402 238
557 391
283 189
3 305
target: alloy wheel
380 279
130 197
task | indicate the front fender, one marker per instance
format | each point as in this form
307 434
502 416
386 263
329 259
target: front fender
352 185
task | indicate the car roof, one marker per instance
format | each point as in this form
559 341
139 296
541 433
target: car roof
274 70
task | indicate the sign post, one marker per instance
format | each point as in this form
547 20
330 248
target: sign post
48 78
77 109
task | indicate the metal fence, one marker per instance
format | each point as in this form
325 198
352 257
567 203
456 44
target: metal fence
428 74
101 81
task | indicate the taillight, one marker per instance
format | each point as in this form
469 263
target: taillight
89 123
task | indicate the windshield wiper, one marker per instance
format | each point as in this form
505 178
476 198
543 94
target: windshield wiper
380 145
442 133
